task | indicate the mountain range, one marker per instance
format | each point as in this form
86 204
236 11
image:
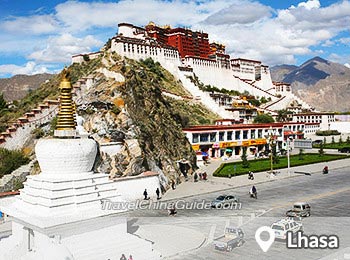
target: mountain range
18 86
323 84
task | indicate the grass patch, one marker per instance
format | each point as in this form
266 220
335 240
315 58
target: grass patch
260 165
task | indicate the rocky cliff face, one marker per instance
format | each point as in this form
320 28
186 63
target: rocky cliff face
320 83
125 107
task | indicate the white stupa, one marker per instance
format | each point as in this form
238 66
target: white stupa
58 214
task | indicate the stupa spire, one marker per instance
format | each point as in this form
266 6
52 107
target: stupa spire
65 120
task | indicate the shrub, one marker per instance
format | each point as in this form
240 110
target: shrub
327 132
38 133
116 110
17 184
11 160
245 162
263 118
321 151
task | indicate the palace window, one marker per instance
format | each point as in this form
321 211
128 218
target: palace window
204 137
252 134
212 137
245 134
229 135
195 138
221 136
238 135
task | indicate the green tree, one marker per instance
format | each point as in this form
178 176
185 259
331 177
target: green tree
321 151
348 140
244 157
340 140
282 115
301 154
263 100
3 103
333 142
324 140
263 118
275 157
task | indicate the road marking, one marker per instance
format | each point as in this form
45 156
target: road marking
337 205
211 234
314 197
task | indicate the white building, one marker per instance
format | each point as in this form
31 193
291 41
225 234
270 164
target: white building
324 119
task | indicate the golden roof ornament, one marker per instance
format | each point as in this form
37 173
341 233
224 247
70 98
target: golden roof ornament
66 115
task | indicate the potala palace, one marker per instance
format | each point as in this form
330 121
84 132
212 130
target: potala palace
188 54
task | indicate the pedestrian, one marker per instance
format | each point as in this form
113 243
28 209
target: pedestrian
200 176
130 258
173 186
172 210
204 176
145 194
123 257
195 177
158 193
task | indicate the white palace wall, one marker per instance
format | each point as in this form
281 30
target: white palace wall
210 73
167 57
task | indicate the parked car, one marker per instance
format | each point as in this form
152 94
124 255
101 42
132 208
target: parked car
224 201
300 209
233 237
344 150
282 226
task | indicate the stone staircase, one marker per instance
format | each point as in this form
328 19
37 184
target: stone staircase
203 96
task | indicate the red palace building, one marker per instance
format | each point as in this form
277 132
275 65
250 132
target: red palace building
188 42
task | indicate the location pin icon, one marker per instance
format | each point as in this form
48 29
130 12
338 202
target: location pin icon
265 245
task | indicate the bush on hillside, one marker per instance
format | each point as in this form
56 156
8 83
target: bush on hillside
11 160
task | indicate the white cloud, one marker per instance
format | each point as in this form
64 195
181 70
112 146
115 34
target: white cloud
328 43
310 4
281 38
341 59
345 41
30 68
347 65
81 15
242 12
335 17
61 48
38 24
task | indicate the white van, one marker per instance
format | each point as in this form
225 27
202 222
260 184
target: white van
282 226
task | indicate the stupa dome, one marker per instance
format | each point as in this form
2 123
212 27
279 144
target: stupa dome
66 156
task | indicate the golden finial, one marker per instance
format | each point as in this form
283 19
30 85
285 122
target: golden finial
65 120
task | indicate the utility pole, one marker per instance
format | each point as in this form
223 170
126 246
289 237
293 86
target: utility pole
288 145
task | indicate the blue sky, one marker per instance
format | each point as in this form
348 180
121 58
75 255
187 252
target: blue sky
41 36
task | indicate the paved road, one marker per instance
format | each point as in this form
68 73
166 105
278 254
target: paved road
329 196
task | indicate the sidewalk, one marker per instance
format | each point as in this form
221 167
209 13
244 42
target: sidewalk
171 240
213 184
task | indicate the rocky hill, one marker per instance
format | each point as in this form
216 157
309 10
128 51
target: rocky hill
279 72
18 86
321 83
139 107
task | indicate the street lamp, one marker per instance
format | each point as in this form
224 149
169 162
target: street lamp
270 136
288 159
